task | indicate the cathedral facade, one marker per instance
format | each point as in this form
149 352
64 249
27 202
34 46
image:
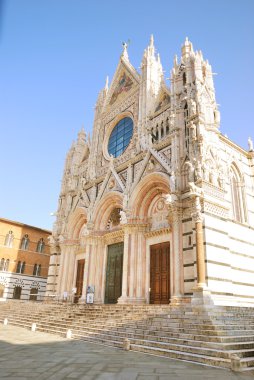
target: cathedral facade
158 206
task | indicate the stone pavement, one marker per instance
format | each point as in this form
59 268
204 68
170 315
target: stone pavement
26 355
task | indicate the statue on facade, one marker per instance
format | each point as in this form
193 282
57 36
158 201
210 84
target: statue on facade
193 107
193 131
172 182
250 143
123 217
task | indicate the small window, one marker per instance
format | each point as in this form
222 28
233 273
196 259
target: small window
184 79
6 265
40 246
37 270
21 267
167 126
237 195
18 267
2 264
9 239
24 243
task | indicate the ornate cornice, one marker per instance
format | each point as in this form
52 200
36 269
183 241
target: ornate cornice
161 231
114 237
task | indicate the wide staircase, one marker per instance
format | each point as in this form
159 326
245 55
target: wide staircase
221 337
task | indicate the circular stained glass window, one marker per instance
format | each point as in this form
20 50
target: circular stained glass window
120 137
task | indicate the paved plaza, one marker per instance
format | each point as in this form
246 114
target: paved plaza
34 355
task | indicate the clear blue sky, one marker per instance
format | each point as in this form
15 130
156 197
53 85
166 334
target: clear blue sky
54 58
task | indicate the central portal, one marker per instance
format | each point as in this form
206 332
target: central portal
159 273
114 273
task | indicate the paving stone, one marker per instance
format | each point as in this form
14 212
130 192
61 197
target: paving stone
48 357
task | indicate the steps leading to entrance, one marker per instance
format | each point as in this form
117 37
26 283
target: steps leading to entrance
214 337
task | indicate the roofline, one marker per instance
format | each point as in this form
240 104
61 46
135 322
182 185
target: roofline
233 144
24 225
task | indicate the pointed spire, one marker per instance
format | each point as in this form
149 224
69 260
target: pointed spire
151 41
150 48
106 84
175 61
187 48
82 135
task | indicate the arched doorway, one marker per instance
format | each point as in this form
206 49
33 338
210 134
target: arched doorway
149 206
33 294
108 223
17 292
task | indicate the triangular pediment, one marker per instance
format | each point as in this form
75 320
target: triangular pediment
162 101
125 80
153 166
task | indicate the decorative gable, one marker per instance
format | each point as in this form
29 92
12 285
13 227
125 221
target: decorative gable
163 101
125 79
124 85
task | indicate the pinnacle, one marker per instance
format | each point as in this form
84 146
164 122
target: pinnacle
151 41
106 83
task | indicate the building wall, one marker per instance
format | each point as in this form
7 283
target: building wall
10 278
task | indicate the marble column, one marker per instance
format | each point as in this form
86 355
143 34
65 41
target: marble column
134 276
126 254
175 218
201 294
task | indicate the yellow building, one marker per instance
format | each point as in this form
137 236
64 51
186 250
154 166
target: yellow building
24 260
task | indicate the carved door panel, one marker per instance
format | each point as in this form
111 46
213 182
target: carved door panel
79 279
114 273
160 273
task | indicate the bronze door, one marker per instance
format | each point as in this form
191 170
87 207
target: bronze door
79 280
114 273
160 273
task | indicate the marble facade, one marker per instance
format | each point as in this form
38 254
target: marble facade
179 182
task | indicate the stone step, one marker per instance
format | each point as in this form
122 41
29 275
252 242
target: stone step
248 362
242 343
207 337
201 359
